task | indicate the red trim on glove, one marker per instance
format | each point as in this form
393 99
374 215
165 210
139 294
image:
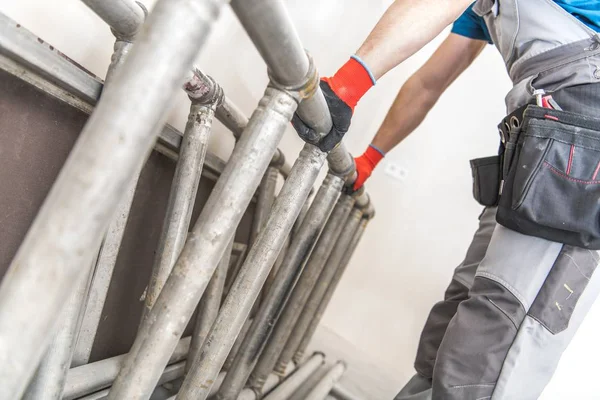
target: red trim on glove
350 83
365 165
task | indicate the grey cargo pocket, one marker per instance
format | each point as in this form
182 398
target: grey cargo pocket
486 180
556 300
552 189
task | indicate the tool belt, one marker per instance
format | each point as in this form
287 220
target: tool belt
546 179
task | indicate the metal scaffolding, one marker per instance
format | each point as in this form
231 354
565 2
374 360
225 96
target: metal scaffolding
244 345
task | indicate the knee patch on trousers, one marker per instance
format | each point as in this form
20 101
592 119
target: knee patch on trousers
561 290
476 343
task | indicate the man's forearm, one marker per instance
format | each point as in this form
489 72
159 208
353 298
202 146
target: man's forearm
406 113
422 90
405 28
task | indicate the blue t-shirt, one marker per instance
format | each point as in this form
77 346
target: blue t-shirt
472 25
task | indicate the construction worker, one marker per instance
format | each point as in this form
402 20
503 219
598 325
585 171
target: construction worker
528 279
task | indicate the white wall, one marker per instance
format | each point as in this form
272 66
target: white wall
423 223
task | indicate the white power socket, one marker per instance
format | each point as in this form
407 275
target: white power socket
395 170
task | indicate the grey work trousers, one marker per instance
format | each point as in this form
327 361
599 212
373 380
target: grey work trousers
511 309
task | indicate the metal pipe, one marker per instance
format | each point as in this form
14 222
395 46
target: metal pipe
302 391
271 383
292 383
103 270
227 112
77 211
271 29
338 253
204 248
170 373
287 275
45 67
251 277
236 345
264 203
49 379
301 216
184 189
322 389
301 292
316 319
109 249
215 388
98 375
266 197
124 16
208 309
249 394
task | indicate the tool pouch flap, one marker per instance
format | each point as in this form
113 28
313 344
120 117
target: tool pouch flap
486 180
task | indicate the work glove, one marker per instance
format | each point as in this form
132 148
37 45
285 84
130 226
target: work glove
365 165
342 92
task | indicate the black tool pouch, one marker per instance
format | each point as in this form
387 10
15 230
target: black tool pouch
551 177
486 180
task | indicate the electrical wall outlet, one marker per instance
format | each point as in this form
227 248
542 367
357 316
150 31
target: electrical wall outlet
395 170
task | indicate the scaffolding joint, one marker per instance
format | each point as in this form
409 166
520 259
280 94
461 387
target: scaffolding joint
278 160
129 37
203 89
305 89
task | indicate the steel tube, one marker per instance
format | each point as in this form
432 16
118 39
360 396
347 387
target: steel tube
215 388
251 277
237 345
208 309
98 375
227 112
316 319
339 251
184 189
120 51
246 393
49 379
170 373
301 292
287 275
272 32
125 17
322 389
271 383
264 202
301 216
109 151
43 66
108 251
103 270
205 246
232 117
293 382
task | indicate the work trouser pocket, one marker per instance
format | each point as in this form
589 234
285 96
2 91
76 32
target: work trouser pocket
486 180
552 184
556 300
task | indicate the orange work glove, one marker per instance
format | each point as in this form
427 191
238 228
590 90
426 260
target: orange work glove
342 92
366 163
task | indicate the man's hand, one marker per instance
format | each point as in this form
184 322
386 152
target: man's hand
342 92
365 165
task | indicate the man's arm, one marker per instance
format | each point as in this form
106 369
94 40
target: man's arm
405 27
422 90
416 97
